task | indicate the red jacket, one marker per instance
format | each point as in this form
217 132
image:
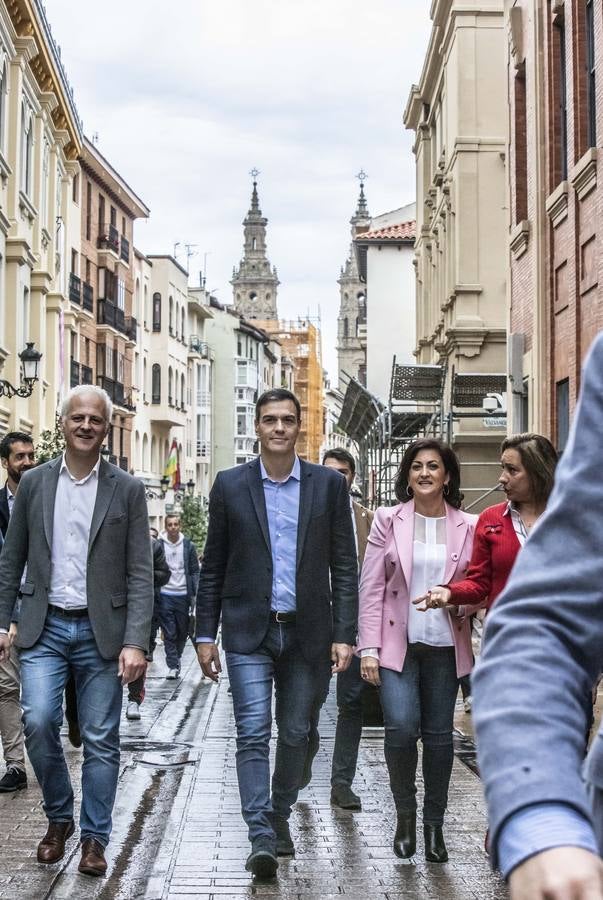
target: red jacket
495 548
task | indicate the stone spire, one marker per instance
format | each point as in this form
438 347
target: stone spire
351 322
255 282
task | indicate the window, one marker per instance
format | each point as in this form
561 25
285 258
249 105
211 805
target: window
26 148
113 215
3 87
562 409
156 384
44 187
121 294
346 328
521 148
157 312
75 188
101 215
170 387
144 380
559 77
88 209
182 324
25 318
74 262
171 315
591 99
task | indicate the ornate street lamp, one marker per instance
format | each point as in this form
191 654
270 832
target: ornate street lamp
30 362
190 487
164 484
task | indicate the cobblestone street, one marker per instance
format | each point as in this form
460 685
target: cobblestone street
178 831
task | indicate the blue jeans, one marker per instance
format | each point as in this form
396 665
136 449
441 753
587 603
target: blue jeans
63 645
278 659
174 620
419 702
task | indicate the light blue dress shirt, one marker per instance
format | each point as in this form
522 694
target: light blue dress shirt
540 827
282 509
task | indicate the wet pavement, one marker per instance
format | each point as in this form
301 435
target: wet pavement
178 831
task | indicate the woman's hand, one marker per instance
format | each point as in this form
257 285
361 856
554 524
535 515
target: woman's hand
437 598
369 669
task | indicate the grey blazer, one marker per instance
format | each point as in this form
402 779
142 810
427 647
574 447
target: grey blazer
543 646
119 581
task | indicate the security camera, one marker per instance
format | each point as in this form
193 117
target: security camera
490 404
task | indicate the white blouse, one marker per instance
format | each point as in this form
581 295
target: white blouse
432 627
428 566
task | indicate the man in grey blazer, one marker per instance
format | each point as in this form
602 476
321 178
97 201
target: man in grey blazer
81 527
542 653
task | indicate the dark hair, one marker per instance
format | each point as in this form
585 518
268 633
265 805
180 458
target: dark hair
449 458
13 437
172 515
340 455
539 459
276 395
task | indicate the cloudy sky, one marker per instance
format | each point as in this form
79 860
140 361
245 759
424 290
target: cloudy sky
308 92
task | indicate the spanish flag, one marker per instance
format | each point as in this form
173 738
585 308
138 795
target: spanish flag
172 466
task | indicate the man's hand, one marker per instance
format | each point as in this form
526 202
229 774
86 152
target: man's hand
132 664
4 647
564 873
341 657
369 669
12 632
209 659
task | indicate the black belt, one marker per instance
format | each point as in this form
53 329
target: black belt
283 618
68 613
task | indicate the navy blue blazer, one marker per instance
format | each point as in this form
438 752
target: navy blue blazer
235 583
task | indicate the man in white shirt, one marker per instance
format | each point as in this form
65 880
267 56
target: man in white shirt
81 526
178 595
17 457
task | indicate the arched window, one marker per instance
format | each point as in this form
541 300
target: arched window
154 460
182 325
182 392
156 384
170 387
137 460
346 327
137 299
3 89
145 453
144 380
171 315
26 148
157 312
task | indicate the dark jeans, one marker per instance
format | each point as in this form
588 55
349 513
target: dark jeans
173 618
419 702
297 683
350 688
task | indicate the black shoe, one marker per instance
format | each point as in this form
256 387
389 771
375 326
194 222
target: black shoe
405 838
73 733
435 848
284 842
262 861
313 745
343 796
14 779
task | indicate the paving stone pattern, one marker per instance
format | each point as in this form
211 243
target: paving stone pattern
338 853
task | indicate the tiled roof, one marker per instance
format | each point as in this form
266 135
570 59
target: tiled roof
403 231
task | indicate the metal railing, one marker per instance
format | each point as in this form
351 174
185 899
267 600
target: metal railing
75 288
124 252
483 496
108 238
87 296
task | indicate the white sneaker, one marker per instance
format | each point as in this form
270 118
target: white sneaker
132 710
173 673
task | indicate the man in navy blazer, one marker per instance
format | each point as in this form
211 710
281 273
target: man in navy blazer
280 571
542 654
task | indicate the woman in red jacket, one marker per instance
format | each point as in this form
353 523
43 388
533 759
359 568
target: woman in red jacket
528 464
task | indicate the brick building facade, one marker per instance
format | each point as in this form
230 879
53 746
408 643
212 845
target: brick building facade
555 293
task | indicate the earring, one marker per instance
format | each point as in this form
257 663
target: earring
409 490
446 490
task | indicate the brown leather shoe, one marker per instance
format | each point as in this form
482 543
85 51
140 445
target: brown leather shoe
93 860
52 846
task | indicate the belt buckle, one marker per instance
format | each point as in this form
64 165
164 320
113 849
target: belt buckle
277 614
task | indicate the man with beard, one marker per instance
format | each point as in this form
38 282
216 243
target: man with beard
17 457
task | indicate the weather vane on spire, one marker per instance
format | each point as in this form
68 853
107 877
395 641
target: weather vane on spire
361 176
254 174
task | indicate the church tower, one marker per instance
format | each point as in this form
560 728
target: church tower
351 322
255 282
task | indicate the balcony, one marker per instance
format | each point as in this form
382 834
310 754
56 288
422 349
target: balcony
203 449
107 313
196 345
75 289
79 373
108 238
124 253
115 389
166 413
87 296
203 400
131 326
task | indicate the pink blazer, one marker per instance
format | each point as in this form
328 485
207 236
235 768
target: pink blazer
386 578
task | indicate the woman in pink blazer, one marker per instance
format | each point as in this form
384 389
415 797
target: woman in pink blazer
417 661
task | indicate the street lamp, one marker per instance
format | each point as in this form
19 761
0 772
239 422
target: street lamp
164 484
30 361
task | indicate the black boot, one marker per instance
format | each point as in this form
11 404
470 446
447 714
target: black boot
435 848
405 838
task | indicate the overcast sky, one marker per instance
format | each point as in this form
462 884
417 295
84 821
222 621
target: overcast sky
186 98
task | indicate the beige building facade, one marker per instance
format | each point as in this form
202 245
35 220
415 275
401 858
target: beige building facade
459 114
40 142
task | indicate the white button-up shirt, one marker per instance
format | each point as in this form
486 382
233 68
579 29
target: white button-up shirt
73 508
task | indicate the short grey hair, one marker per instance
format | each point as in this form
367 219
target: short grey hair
83 390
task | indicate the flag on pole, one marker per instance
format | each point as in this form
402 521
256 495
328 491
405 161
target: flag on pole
172 465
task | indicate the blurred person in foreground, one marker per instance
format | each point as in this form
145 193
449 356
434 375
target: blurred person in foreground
543 651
